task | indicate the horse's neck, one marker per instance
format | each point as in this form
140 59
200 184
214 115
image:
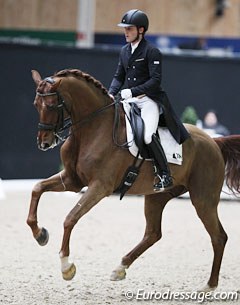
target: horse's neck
86 101
86 97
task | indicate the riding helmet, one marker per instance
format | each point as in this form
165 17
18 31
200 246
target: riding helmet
135 17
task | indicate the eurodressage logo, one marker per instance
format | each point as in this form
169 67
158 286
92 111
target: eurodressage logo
200 297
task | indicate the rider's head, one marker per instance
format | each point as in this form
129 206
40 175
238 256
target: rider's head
135 23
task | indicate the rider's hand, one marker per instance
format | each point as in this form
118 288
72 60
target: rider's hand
112 97
126 94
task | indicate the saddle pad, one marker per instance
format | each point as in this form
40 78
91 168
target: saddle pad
172 149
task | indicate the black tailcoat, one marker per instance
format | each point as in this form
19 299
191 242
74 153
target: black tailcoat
142 73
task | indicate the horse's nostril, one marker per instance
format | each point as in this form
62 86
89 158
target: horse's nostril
43 146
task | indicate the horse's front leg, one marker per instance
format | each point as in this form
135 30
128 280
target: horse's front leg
88 200
57 183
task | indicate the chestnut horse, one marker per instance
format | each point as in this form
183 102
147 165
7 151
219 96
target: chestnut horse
92 157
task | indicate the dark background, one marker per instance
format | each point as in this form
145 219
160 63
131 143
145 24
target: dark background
203 82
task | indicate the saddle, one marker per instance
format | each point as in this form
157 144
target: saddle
137 126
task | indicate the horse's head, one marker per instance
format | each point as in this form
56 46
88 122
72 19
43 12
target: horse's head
51 109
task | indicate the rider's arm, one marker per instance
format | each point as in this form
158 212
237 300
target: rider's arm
118 79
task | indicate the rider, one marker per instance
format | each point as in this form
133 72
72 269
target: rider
139 73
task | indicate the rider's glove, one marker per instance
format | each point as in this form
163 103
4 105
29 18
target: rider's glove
112 97
126 94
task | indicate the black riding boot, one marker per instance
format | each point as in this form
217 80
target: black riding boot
162 172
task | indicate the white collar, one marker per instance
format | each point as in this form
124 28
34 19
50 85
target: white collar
134 46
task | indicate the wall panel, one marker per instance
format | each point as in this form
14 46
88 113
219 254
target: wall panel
38 14
176 17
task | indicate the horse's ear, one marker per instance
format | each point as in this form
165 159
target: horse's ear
36 77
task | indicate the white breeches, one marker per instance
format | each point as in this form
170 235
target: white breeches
150 114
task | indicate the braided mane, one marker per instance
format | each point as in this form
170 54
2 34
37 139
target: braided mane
79 74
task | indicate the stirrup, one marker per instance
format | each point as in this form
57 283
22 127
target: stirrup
164 181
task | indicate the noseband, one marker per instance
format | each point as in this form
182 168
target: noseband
60 107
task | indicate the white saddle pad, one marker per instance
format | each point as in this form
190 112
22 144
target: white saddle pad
172 149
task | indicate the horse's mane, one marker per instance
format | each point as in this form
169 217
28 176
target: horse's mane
79 74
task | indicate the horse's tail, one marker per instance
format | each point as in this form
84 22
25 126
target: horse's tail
230 148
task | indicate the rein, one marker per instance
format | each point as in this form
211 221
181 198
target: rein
92 115
63 124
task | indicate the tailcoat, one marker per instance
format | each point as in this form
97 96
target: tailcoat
142 73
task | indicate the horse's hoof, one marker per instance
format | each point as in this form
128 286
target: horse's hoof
118 274
43 237
206 289
69 274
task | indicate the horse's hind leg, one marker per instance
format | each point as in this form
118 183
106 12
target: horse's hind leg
207 211
154 205
57 183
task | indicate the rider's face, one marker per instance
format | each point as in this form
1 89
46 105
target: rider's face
131 33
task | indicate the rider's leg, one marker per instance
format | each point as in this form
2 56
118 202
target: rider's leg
165 179
150 114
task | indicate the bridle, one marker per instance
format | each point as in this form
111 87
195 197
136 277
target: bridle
64 124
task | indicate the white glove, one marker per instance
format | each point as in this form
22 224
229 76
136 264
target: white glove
126 94
112 97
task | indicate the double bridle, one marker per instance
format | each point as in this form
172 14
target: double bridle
63 124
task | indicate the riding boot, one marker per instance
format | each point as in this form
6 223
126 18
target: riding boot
162 172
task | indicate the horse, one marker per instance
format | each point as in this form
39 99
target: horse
93 157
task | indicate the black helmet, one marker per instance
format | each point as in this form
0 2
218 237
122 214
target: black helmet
135 17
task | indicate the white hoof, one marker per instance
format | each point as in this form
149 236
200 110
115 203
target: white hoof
68 268
119 273
69 274
207 288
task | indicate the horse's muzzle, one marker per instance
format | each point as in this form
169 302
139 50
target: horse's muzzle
45 145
